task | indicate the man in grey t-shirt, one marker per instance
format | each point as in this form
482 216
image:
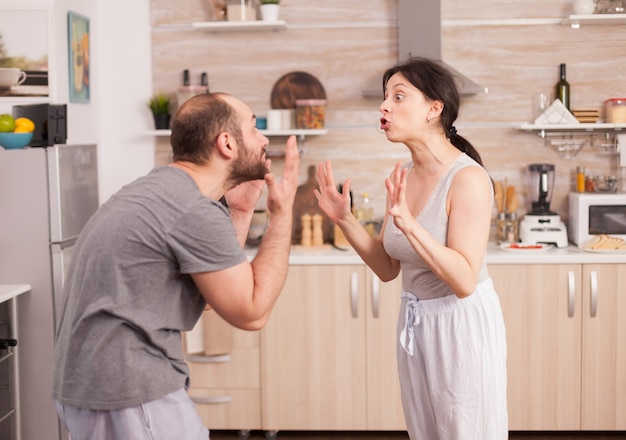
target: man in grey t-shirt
149 262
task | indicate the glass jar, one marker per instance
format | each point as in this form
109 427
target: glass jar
507 228
609 7
512 228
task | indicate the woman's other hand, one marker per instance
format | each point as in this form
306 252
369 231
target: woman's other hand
335 205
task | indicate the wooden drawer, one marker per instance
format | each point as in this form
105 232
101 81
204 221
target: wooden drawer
228 408
239 369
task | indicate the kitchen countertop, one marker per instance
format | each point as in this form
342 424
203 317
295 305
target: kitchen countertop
569 255
10 291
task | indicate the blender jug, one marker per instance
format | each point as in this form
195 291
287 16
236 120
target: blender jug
541 185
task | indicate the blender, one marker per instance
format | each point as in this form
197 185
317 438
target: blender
542 225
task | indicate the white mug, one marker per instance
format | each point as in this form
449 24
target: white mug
274 120
11 76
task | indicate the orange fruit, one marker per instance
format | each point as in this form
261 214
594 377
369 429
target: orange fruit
24 125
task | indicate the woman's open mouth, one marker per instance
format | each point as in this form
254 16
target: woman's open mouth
384 124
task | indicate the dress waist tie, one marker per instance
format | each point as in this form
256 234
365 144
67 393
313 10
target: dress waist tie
411 319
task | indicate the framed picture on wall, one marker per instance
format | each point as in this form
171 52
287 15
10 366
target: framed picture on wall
78 55
25 48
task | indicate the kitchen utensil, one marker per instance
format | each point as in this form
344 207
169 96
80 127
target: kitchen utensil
306 203
542 225
541 185
498 195
15 141
605 184
512 201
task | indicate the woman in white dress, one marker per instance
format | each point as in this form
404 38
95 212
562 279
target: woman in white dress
451 335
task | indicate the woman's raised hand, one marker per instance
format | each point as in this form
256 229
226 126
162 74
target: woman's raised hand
335 205
396 192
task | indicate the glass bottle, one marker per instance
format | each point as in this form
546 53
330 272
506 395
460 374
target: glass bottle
580 179
562 88
365 213
204 81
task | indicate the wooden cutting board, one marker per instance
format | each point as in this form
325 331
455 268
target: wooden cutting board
295 85
306 203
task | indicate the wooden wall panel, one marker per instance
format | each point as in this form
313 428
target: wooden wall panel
513 48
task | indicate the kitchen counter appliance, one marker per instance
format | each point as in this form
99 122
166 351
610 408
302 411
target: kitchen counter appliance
542 225
596 213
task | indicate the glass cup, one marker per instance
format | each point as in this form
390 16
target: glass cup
540 102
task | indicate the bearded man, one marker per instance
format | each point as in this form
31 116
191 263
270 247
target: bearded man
152 258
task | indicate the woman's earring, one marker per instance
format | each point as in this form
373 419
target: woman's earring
428 119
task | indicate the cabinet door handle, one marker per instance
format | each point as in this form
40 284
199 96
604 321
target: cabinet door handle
354 294
593 276
213 359
571 294
212 400
375 295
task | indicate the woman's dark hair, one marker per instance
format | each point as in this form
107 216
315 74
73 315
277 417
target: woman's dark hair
437 83
198 123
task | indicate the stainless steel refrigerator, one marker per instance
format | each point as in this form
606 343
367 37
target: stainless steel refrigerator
46 197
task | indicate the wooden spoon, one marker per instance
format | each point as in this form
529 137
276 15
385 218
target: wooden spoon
512 202
498 196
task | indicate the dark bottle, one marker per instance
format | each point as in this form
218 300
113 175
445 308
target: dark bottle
186 80
204 81
562 88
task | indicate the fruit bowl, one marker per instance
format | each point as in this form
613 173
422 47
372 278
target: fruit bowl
15 141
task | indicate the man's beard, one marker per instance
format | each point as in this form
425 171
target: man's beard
246 168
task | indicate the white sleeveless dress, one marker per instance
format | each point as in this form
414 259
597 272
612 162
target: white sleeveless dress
451 352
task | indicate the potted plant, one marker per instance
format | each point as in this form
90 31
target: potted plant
160 107
269 10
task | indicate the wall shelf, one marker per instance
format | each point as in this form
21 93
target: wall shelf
569 139
228 26
575 21
544 130
301 133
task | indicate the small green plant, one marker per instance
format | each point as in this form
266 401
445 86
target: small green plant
270 2
160 104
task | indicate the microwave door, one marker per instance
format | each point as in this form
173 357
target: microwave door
605 219
73 189
616 221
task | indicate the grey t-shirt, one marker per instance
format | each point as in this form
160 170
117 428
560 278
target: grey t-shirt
128 293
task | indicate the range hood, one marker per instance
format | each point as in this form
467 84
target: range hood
419 34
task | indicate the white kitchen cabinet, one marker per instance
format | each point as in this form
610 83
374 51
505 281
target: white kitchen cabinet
327 362
566 370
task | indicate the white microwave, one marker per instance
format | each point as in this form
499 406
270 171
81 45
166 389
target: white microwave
596 213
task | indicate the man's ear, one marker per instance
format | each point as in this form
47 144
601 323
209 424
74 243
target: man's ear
225 145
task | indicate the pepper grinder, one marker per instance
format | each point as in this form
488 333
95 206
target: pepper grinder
318 234
306 230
